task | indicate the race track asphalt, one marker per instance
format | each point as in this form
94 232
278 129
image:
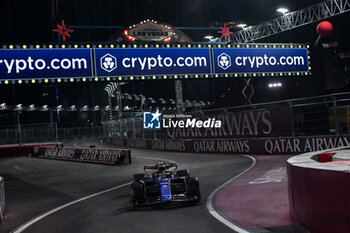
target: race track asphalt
35 186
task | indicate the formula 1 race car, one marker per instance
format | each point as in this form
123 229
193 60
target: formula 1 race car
165 184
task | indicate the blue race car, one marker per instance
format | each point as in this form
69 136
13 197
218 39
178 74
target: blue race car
164 184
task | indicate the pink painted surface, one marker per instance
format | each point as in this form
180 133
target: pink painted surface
261 203
346 163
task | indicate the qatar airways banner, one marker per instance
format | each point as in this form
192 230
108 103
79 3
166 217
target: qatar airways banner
106 156
241 124
270 146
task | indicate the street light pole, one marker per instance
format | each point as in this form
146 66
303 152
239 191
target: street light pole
179 96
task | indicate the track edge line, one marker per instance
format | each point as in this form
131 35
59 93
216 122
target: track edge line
27 224
218 214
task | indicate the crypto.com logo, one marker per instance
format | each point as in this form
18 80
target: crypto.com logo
224 61
108 62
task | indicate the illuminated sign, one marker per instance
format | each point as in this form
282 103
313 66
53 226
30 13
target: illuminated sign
256 60
153 61
149 31
45 63
142 62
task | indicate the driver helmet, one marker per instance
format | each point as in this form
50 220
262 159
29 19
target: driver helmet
161 168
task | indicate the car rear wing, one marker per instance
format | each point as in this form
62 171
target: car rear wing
156 166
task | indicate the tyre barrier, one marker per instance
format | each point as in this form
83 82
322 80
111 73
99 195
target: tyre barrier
91 155
2 198
319 192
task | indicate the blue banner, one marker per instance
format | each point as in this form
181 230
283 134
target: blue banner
108 62
152 61
260 60
45 63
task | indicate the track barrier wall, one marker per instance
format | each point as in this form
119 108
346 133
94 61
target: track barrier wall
21 150
278 146
91 155
2 198
319 194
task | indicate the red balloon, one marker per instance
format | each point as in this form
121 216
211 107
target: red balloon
324 28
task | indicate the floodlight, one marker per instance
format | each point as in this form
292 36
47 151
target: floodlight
242 25
282 10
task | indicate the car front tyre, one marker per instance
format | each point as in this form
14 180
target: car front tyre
193 187
137 193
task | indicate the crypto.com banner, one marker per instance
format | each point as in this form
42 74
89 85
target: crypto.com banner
45 63
169 61
260 60
125 62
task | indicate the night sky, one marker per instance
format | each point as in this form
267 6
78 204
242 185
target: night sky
31 22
